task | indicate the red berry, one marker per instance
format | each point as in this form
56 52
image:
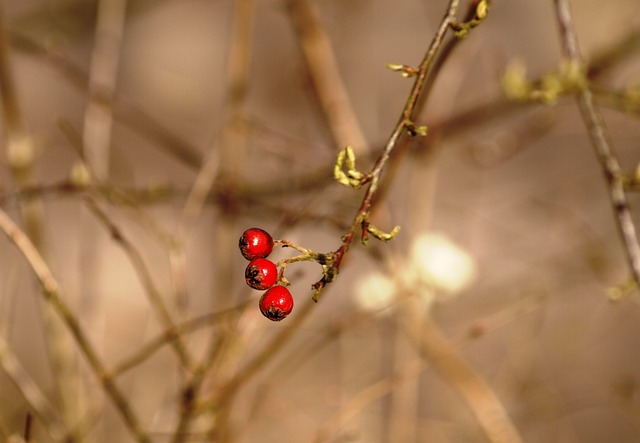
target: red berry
261 274
276 303
255 243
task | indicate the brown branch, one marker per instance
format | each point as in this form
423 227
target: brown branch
474 390
404 125
125 111
368 395
53 296
11 112
598 134
169 335
21 155
224 163
137 262
327 81
224 398
33 395
105 60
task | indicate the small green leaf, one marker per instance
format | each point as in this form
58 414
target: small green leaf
352 177
482 9
381 235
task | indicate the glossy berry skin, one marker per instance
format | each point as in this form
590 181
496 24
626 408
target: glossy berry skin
276 303
255 243
261 274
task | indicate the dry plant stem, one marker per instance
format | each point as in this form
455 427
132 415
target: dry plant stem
226 157
10 107
604 61
231 144
124 111
191 393
120 196
232 154
128 114
364 398
239 64
169 335
105 60
323 69
155 298
53 296
191 390
383 387
33 395
468 120
404 124
445 53
601 143
96 150
223 400
474 390
20 155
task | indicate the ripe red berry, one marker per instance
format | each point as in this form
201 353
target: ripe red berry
276 303
261 274
255 243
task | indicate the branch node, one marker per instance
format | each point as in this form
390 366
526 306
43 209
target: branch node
416 131
405 71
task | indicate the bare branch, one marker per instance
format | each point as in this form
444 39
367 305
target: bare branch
598 133
327 81
404 125
153 293
31 392
474 390
52 294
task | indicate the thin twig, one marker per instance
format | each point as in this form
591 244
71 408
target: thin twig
474 390
404 125
238 76
192 388
598 133
105 60
327 81
125 111
169 335
223 163
21 156
229 155
53 296
96 146
31 392
225 396
371 393
11 111
155 298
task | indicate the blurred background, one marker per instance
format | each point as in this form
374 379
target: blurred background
141 138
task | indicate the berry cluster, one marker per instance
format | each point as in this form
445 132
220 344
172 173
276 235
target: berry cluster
256 245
